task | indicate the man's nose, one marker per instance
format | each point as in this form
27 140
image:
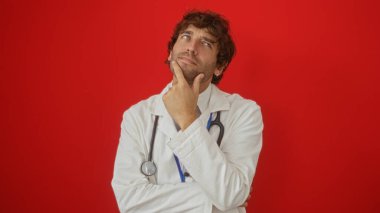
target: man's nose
192 47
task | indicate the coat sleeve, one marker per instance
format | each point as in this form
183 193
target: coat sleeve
225 174
133 190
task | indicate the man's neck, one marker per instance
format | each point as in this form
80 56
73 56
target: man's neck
204 86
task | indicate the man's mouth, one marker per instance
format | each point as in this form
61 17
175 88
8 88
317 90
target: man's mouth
187 60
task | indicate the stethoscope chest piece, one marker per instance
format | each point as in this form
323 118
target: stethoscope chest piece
148 168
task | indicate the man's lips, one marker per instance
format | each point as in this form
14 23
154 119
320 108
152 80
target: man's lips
187 60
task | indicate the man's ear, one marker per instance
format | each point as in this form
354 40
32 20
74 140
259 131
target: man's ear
219 70
170 56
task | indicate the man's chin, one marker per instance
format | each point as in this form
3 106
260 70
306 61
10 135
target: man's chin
188 73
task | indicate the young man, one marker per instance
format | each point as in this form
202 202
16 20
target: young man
171 157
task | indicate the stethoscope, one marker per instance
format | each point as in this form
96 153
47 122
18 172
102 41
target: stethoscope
148 168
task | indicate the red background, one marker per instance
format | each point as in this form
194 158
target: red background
70 68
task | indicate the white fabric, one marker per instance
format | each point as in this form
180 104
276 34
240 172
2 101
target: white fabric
220 177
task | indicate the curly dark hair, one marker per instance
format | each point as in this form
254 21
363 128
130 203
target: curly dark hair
218 27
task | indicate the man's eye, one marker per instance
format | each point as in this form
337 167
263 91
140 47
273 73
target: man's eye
186 37
207 44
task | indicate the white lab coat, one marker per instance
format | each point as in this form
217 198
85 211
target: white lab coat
220 177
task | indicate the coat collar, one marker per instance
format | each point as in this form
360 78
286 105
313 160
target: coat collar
209 101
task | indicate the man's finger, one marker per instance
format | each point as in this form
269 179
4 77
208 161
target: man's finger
197 83
177 71
245 204
175 80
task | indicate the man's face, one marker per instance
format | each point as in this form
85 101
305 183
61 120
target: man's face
195 51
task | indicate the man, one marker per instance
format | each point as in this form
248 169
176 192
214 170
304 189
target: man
167 159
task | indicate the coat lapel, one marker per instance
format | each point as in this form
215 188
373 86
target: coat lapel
165 122
218 100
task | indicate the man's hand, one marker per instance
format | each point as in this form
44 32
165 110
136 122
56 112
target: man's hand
181 99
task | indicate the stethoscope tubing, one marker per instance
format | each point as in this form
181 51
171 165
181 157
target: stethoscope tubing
153 138
210 123
219 124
